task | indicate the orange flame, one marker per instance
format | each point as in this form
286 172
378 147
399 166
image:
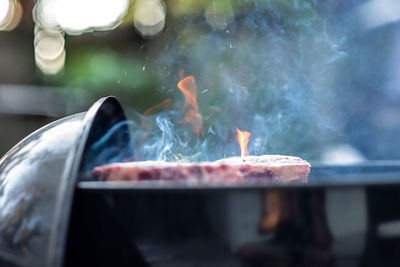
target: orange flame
150 111
243 139
167 102
189 90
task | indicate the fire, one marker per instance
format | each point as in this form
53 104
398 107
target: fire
164 104
243 139
189 90
167 102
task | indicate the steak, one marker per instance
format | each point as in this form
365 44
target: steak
270 168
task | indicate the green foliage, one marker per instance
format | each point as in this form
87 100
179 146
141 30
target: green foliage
105 70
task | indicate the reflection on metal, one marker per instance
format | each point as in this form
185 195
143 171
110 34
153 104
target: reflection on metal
323 226
149 17
49 50
390 229
347 217
317 226
300 233
269 225
271 211
37 180
10 14
29 177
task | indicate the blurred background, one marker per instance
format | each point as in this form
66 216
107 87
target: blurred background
317 79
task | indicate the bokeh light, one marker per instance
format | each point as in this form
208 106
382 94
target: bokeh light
49 51
10 14
149 17
50 67
49 45
44 14
4 10
76 17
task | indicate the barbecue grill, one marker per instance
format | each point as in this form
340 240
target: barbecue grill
53 214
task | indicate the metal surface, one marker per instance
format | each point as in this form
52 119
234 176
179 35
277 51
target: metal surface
345 226
343 217
37 180
367 173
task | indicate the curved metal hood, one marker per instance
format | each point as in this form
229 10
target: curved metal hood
37 181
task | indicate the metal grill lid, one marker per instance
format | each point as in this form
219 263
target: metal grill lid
37 181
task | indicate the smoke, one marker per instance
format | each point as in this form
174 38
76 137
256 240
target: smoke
163 142
271 71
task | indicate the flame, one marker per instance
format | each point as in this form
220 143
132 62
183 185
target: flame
243 139
164 104
189 90
167 102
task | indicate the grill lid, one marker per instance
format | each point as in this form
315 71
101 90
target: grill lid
37 181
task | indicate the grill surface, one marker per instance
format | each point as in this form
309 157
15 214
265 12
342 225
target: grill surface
247 226
367 173
344 216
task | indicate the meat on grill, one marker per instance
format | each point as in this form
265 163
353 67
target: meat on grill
285 169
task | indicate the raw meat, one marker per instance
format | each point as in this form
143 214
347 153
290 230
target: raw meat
273 168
